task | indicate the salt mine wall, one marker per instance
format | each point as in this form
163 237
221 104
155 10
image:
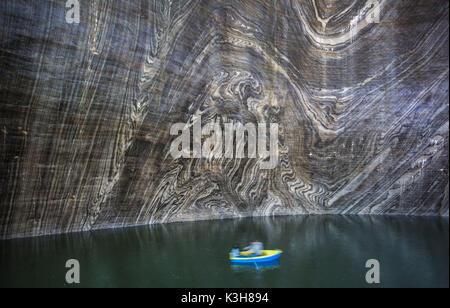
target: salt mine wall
358 89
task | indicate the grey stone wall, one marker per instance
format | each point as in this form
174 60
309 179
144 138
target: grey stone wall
86 109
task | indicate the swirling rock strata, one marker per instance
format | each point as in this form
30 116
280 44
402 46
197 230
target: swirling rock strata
86 109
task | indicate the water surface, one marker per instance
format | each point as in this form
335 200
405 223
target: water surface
319 251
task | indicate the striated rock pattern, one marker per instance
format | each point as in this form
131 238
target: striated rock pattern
359 90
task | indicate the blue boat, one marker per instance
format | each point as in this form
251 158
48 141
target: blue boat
266 256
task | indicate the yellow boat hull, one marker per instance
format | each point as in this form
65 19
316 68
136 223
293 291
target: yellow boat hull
266 256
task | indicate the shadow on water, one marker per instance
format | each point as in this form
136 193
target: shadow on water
318 251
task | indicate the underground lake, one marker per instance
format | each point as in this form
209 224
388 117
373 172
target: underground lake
318 251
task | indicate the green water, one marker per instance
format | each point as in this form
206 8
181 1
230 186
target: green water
319 251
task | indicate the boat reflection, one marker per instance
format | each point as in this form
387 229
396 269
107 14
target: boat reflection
259 266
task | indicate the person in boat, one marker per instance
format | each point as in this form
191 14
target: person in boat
235 251
256 247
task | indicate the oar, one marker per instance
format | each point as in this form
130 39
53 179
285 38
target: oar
256 265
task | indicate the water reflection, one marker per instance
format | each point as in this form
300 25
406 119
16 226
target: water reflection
271 265
318 251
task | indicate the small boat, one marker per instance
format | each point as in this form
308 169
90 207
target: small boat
266 256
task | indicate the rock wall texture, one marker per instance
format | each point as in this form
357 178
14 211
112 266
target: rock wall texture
86 109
